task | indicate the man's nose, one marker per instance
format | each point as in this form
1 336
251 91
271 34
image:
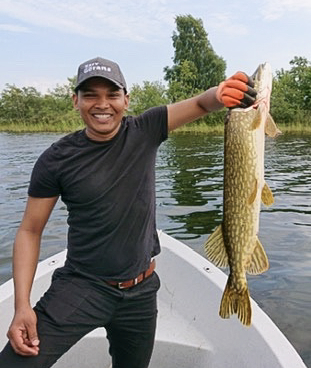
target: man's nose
102 102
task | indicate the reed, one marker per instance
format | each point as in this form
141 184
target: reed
72 125
201 128
59 127
295 128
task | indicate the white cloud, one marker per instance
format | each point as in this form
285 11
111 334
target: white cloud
135 20
274 9
226 23
13 28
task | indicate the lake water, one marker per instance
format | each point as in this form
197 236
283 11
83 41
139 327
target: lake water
189 206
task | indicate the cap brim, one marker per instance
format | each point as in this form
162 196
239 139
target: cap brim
119 85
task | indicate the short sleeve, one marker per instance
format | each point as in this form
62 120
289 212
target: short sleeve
43 183
154 121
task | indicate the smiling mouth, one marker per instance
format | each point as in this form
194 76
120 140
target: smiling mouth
102 117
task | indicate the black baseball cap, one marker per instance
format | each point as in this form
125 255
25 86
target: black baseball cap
99 67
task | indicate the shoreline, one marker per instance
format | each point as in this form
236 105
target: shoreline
186 129
219 130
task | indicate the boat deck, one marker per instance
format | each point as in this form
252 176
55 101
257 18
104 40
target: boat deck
190 332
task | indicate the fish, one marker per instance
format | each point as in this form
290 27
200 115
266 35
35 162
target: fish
235 243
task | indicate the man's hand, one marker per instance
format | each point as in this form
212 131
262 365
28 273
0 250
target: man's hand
237 91
23 333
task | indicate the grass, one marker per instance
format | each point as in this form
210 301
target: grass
295 129
61 127
199 128
219 129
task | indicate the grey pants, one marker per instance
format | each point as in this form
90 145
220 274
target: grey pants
75 305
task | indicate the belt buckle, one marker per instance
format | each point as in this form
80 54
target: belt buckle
120 284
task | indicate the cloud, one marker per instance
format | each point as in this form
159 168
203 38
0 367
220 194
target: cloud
135 20
13 28
226 23
275 9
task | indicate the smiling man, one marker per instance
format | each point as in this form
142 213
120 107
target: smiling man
105 174
101 101
101 106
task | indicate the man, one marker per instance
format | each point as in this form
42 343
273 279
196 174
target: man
105 174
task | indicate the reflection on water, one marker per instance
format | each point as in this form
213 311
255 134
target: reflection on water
189 186
189 206
190 170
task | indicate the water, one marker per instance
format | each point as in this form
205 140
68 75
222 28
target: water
189 206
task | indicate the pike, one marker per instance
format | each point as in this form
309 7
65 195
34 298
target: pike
235 242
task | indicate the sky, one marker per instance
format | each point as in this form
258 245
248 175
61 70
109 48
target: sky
44 41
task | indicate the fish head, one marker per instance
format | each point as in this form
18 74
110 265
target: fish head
263 84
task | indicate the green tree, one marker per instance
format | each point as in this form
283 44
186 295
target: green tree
291 95
301 74
149 95
184 84
20 104
59 99
196 66
26 107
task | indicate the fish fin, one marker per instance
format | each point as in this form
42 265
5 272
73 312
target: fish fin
270 128
253 196
257 120
267 196
215 248
236 302
259 261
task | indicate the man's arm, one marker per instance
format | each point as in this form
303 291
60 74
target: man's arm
186 111
233 92
23 331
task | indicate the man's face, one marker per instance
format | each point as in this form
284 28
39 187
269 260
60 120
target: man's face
102 106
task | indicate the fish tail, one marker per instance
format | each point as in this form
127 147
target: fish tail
236 302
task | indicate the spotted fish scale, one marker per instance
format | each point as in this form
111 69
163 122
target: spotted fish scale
235 242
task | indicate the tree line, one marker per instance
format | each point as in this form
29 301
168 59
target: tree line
196 67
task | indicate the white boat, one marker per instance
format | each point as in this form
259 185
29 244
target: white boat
190 333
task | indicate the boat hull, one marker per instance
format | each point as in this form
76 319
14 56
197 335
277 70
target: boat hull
190 332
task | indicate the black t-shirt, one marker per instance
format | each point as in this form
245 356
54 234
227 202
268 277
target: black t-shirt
109 190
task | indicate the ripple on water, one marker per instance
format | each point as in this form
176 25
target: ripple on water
189 172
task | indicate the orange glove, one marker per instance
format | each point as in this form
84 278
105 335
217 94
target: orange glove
237 91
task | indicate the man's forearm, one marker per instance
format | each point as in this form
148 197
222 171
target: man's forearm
208 101
25 260
186 111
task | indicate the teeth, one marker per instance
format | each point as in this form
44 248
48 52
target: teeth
102 116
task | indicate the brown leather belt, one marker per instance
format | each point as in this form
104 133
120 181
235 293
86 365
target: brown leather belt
137 280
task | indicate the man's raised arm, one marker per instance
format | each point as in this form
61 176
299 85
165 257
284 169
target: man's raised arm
236 91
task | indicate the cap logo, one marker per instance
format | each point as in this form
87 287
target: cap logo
95 66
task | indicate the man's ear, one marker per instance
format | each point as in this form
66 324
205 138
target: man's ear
127 101
75 101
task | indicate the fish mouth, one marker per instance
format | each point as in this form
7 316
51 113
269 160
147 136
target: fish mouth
263 81
258 72
262 69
